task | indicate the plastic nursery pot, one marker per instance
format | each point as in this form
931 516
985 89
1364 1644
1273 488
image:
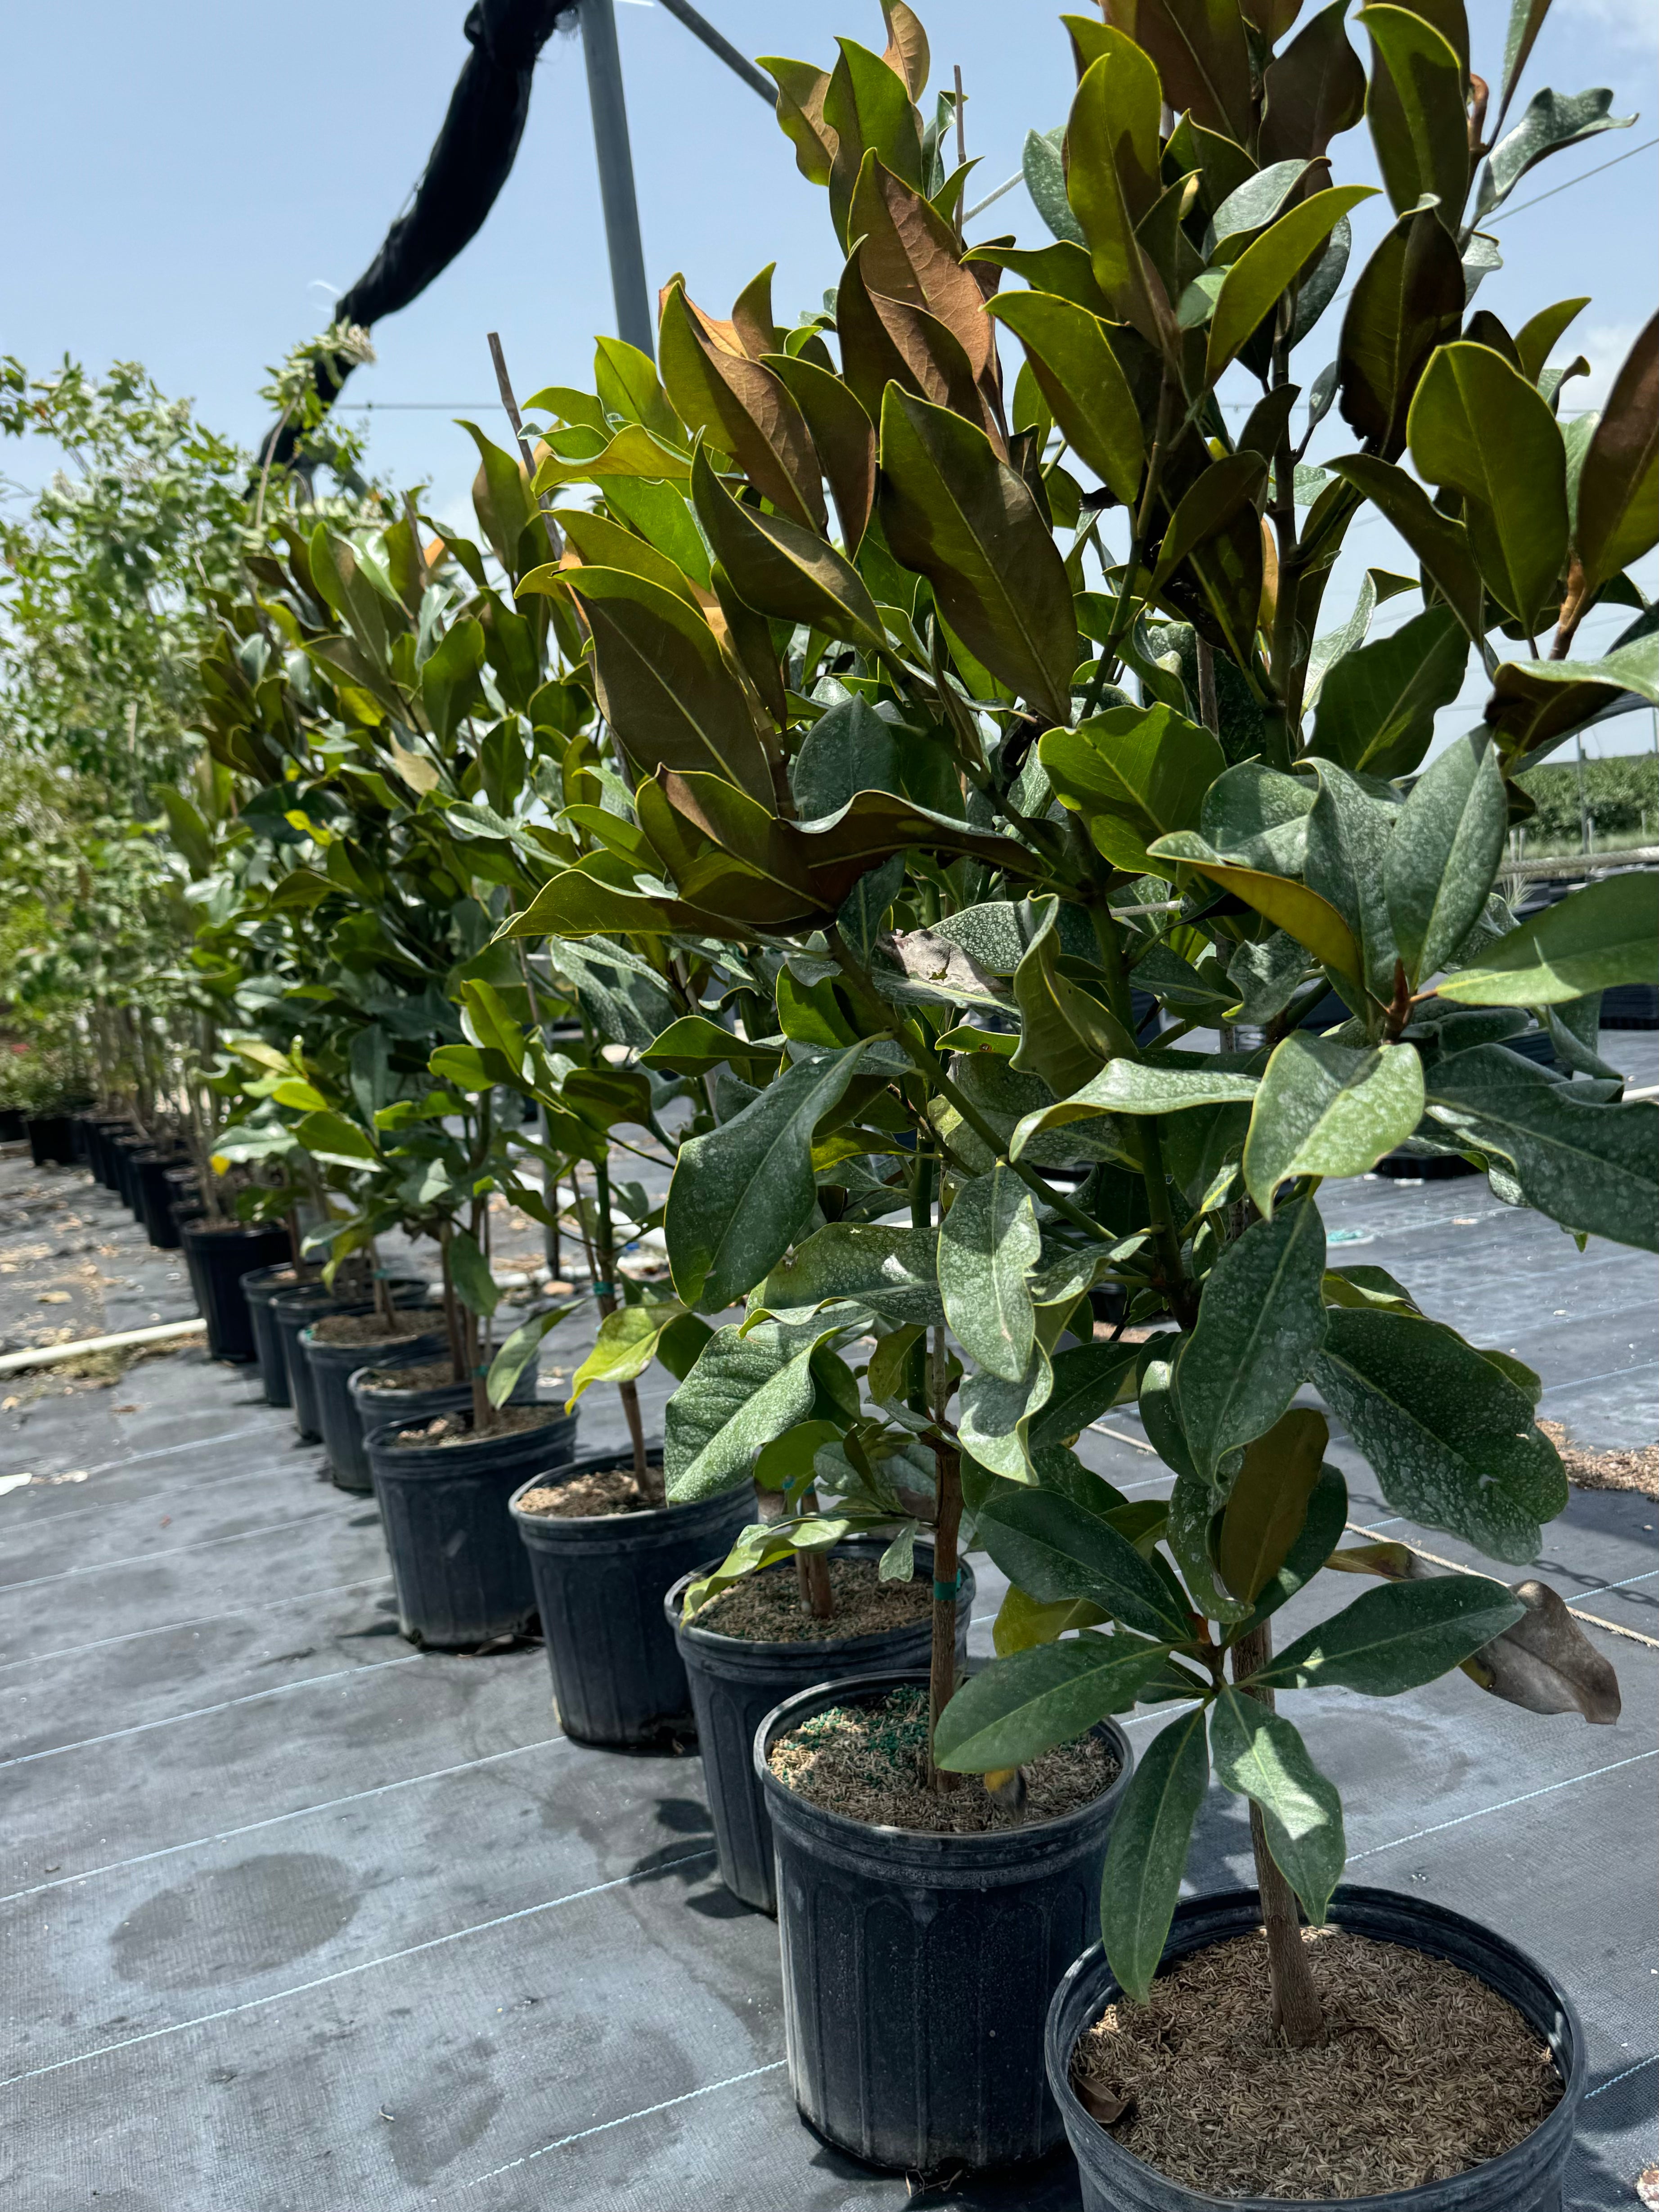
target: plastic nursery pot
600 1579
154 1199
259 1288
295 1309
735 1683
220 1254
1527 2178
917 1969
380 1406
332 1367
12 1127
101 1127
461 1574
125 1150
52 1140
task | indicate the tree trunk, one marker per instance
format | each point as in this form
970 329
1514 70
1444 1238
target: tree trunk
812 1568
1297 2012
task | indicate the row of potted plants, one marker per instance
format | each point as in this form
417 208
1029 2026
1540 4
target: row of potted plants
942 924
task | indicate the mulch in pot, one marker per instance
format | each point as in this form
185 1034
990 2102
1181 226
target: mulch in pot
588 1497
768 1607
372 1328
1424 2072
869 1761
427 1374
457 1428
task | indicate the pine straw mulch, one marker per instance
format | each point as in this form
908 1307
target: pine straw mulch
1425 2072
1606 1470
768 1608
424 1374
869 1762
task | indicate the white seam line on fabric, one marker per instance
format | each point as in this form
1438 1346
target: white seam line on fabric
345 1973
1640 2066
167 1451
200 1712
195 1621
276 1820
646 2112
1571 1782
169 1551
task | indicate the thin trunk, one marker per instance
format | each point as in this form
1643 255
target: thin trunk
481 1409
458 1363
942 1671
1297 2012
382 1288
649 1479
812 1569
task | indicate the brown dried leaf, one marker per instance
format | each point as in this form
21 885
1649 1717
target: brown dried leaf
1102 2107
906 54
1547 1663
910 254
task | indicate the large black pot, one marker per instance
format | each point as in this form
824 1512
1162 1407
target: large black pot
600 1581
1525 2179
917 1969
461 1574
331 1367
736 1682
52 1140
401 1409
220 1255
259 1288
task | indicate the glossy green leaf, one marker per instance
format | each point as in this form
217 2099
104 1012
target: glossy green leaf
843 435
1552 122
988 1245
1449 1436
1065 1032
1593 1168
1045 180
1147 1855
868 106
1211 503
1320 1534
891 1271
1022 1705
1259 1756
1477 427
1416 110
1112 178
1616 512
744 1390
1441 544
1260 1326
1349 833
1326 1108
1443 856
1053 1548
449 683
1089 1379
1314 89
1136 1086
469 1271
331 1138
695 1046
1409 299
1268 268
1604 935
1022 1624
1133 775
1203 60
739 1194
1258 817
1079 377
520 1350
1526 21
1267 1508
1311 920
626 1345
1378 705
780 568
1397 1637
965 520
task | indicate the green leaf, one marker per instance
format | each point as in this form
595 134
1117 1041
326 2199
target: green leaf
1416 109
744 1390
1378 705
1260 1323
1315 89
1209 503
738 1195
1022 1624
1396 1637
1203 60
1258 817
1409 299
1553 121
1348 837
1604 935
1258 1756
1021 1706
1136 1086
988 1245
1147 1855
694 1045
954 513
292 1091
469 1271
1112 177
1320 1534
1268 1507
330 1137
1133 775
1526 21
190 833
1326 1108
1593 1168
1441 544
519 1349
1088 1380
1053 1548
1311 920
889 1271
1065 1032
625 1346
1078 375
1477 427
867 106
996 1417
742 407
849 748
1616 517
1443 858
1270 267
782 570
450 687
1449 1436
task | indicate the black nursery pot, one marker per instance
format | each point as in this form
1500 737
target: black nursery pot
150 1171
735 1683
260 1289
401 1409
52 1140
1525 2179
461 1574
220 1255
332 1367
12 1127
917 1969
101 1130
600 1580
125 1150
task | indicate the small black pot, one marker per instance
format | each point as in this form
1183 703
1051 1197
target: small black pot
125 1150
293 1311
402 1409
600 1581
735 1683
101 1134
14 1126
220 1257
461 1574
332 1367
154 1199
1525 2179
52 1140
917 1969
259 1288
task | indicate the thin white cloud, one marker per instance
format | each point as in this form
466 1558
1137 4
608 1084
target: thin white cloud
1633 23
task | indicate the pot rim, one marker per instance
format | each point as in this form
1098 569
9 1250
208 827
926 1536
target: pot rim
384 1437
1361 1898
992 1841
330 1352
857 1546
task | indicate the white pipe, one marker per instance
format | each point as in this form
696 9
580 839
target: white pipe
43 1354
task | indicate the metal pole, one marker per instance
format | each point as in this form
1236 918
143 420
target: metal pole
701 28
635 321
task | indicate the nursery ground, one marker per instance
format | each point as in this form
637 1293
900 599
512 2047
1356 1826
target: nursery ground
300 1920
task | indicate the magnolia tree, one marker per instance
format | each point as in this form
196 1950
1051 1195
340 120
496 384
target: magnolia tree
993 790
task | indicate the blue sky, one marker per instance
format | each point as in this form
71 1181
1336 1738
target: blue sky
200 178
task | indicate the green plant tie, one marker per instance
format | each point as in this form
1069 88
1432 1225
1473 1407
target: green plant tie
944 1592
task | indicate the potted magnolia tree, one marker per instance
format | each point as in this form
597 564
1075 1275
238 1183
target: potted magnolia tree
930 799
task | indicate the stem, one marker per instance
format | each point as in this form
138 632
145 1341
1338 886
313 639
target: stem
451 1307
604 1290
1120 614
482 1408
1297 2012
812 1568
1288 672
942 1670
